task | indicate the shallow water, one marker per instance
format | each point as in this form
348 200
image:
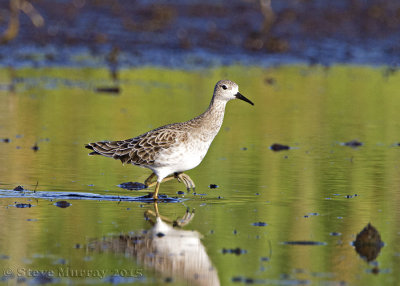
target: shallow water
276 218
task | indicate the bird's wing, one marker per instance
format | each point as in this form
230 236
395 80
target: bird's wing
141 150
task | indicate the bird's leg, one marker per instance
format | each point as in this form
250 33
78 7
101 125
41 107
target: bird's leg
148 182
182 177
155 195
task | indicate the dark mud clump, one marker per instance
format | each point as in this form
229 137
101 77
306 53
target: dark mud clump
304 242
18 189
132 186
279 147
353 143
111 90
62 204
368 243
35 147
259 223
237 251
22 206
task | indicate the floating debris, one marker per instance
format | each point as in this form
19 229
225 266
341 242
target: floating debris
304 242
213 186
278 147
236 251
18 189
368 243
353 144
6 140
132 186
114 89
180 192
62 204
259 223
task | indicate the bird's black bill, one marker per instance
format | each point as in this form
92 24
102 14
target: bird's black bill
240 96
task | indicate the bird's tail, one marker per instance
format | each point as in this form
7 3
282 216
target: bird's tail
114 149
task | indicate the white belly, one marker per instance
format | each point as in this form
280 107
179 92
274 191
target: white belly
180 158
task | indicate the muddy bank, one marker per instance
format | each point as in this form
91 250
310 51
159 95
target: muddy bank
202 33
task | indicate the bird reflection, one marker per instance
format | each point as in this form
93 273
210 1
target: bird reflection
166 248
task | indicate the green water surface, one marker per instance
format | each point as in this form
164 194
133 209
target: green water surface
318 191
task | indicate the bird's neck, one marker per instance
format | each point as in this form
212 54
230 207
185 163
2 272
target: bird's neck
214 115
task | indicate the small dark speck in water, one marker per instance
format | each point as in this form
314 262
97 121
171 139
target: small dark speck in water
313 214
180 192
213 186
304 242
237 279
160 234
6 140
249 281
3 256
212 231
335 234
270 81
77 246
43 278
62 204
219 197
351 196
353 143
257 194
113 89
236 251
168 280
260 223
265 259
234 231
243 149
18 189
22 206
278 147
35 147
132 186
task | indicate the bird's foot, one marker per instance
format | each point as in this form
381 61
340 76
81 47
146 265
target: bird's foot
183 178
185 219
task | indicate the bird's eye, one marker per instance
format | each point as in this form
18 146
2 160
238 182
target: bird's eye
224 86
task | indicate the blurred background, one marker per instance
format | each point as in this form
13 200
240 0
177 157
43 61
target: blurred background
198 33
